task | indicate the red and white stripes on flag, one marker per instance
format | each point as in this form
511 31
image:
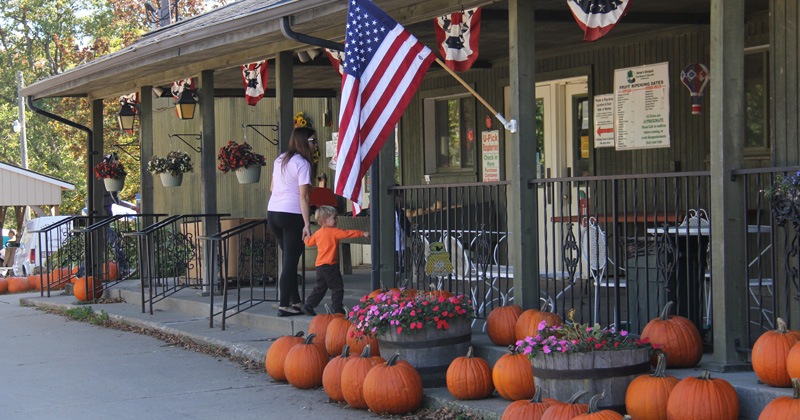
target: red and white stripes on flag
254 76
457 36
383 67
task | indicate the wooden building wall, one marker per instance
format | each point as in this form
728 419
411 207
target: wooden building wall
689 134
785 94
240 201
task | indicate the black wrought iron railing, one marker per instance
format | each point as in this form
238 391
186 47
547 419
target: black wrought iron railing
170 256
450 236
107 256
52 257
772 248
246 272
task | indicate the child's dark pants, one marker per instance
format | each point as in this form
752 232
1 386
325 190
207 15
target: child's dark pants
328 277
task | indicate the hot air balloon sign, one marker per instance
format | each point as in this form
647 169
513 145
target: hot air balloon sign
696 76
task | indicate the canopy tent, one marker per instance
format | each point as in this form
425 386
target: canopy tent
20 187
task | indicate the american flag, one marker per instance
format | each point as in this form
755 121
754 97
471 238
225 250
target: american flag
383 67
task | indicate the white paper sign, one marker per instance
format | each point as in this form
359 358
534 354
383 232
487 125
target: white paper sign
331 145
641 96
604 120
491 155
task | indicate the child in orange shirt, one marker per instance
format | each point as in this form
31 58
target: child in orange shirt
328 275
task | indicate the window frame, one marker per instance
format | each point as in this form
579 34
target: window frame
766 150
429 100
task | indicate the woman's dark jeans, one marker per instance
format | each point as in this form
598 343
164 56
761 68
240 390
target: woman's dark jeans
288 231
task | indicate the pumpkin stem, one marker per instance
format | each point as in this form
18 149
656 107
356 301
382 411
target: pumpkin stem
627 417
299 334
796 386
365 353
393 360
781 326
594 401
310 338
661 365
513 349
575 397
706 376
537 396
346 351
469 353
665 312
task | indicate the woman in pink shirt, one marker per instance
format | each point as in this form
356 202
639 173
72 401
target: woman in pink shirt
288 212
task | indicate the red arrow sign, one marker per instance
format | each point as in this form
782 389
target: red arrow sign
601 131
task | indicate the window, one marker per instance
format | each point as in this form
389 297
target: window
450 134
756 85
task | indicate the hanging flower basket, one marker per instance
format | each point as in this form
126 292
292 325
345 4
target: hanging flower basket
113 184
248 175
169 180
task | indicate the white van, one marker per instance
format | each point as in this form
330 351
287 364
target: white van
28 252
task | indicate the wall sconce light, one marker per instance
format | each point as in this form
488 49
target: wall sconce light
127 115
186 103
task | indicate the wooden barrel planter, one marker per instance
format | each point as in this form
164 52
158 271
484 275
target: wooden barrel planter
560 375
429 350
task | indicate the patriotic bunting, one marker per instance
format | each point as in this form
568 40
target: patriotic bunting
180 85
336 58
457 37
254 76
597 17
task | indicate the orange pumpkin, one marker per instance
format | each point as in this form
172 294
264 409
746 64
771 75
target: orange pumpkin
647 395
36 281
87 288
528 322
336 335
469 378
332 375
319 324
501 323
3 286
373 294
528 410
566 410
440 292
357 344
18 285
276 355
704 398
677 336
353 375
594 413
112 271
784 407
770 355
393 388
513 377
793 361
305 363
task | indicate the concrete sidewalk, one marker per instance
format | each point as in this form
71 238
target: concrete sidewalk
250 333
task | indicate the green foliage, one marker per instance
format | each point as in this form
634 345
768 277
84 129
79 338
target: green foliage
87 314
175 163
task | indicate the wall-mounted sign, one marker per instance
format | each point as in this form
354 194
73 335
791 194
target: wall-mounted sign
491 155
604 120
641 96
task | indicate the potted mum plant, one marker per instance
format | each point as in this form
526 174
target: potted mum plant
577 356
111 171
241 159
784 197
427 330
171 168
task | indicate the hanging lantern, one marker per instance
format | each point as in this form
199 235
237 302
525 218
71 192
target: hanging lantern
186 103
128 109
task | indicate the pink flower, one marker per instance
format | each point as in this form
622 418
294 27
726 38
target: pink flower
419 325
412 325
527 350
588 329
542 325
546 349
623 333
413 313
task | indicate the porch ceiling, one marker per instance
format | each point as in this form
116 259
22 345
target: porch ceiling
249 30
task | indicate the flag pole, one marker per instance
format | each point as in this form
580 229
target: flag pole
509 125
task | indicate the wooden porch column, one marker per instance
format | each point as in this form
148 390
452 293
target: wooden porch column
383 201
729 270
146 147
522 211
284 98
95 208
208 169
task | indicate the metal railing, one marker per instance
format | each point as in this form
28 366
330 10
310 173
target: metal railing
108 255
54 261
246 272
170 256
449 238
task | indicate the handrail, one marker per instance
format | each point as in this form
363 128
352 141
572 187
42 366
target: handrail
234 230
108 220
169 220
56 224
662 175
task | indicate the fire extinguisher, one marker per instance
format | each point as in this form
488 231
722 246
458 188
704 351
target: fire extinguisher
583 204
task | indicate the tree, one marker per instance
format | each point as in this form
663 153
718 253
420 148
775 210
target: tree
43 38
